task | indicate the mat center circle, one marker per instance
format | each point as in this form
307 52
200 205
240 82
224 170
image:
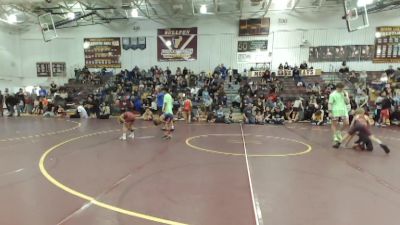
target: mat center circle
227 144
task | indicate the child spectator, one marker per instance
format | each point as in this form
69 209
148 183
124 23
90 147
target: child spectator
267 115
187 110
278 117
61 112
220 115
386 105
395 116
318 117
297 108
248 115
259 118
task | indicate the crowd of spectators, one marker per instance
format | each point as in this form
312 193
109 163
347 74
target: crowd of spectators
204 97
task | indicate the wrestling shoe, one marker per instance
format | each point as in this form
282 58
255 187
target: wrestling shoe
132 135
339 136
385 148
166 137
336 145
123 138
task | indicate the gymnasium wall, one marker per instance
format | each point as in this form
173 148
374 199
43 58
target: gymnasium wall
9 58
217 42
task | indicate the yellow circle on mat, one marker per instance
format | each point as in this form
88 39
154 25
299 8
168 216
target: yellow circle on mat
91 199
307 150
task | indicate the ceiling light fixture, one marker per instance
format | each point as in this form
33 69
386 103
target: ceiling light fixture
203 9
12 18
71 15
168 43
134 12
86 45
282 4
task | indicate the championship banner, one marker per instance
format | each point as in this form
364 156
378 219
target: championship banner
59 69
341 53
134 43
252 46
177 44
102 52
43 69
387 45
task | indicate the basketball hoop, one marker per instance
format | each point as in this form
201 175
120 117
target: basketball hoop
47 27
356 16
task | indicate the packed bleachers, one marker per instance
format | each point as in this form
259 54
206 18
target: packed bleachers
221 96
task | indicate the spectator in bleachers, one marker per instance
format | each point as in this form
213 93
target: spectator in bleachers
105 111
395 116
260 117
297 109
42 92
286 66
390 71
248 114
386 105
318 117
304 66
296 77
20 97
344 68
278 117
53 88
187 109
1 104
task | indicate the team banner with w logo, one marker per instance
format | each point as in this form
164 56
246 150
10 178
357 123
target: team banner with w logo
177 44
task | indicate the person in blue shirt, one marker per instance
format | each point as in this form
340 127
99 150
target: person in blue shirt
42 92
160 101
220 115
223 71
138 104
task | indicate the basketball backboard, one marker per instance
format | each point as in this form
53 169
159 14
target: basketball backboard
47 27
356 14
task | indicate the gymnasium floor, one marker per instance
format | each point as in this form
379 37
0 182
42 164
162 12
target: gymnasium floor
55 171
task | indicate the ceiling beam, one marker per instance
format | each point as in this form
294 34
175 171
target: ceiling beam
191 5
148 16
295 4
267 7
215 6
321 2
152 7
241 3
67 21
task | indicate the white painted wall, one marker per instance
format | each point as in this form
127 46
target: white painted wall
9 58
217 42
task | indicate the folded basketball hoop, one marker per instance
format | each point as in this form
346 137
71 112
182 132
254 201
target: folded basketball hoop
47 27
356 16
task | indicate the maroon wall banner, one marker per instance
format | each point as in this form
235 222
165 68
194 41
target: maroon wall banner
103 52
177 44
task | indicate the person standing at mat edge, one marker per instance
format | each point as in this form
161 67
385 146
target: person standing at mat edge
1 104
338 112
168 114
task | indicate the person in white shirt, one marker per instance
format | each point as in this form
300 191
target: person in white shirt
82 112
230 75
297 108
